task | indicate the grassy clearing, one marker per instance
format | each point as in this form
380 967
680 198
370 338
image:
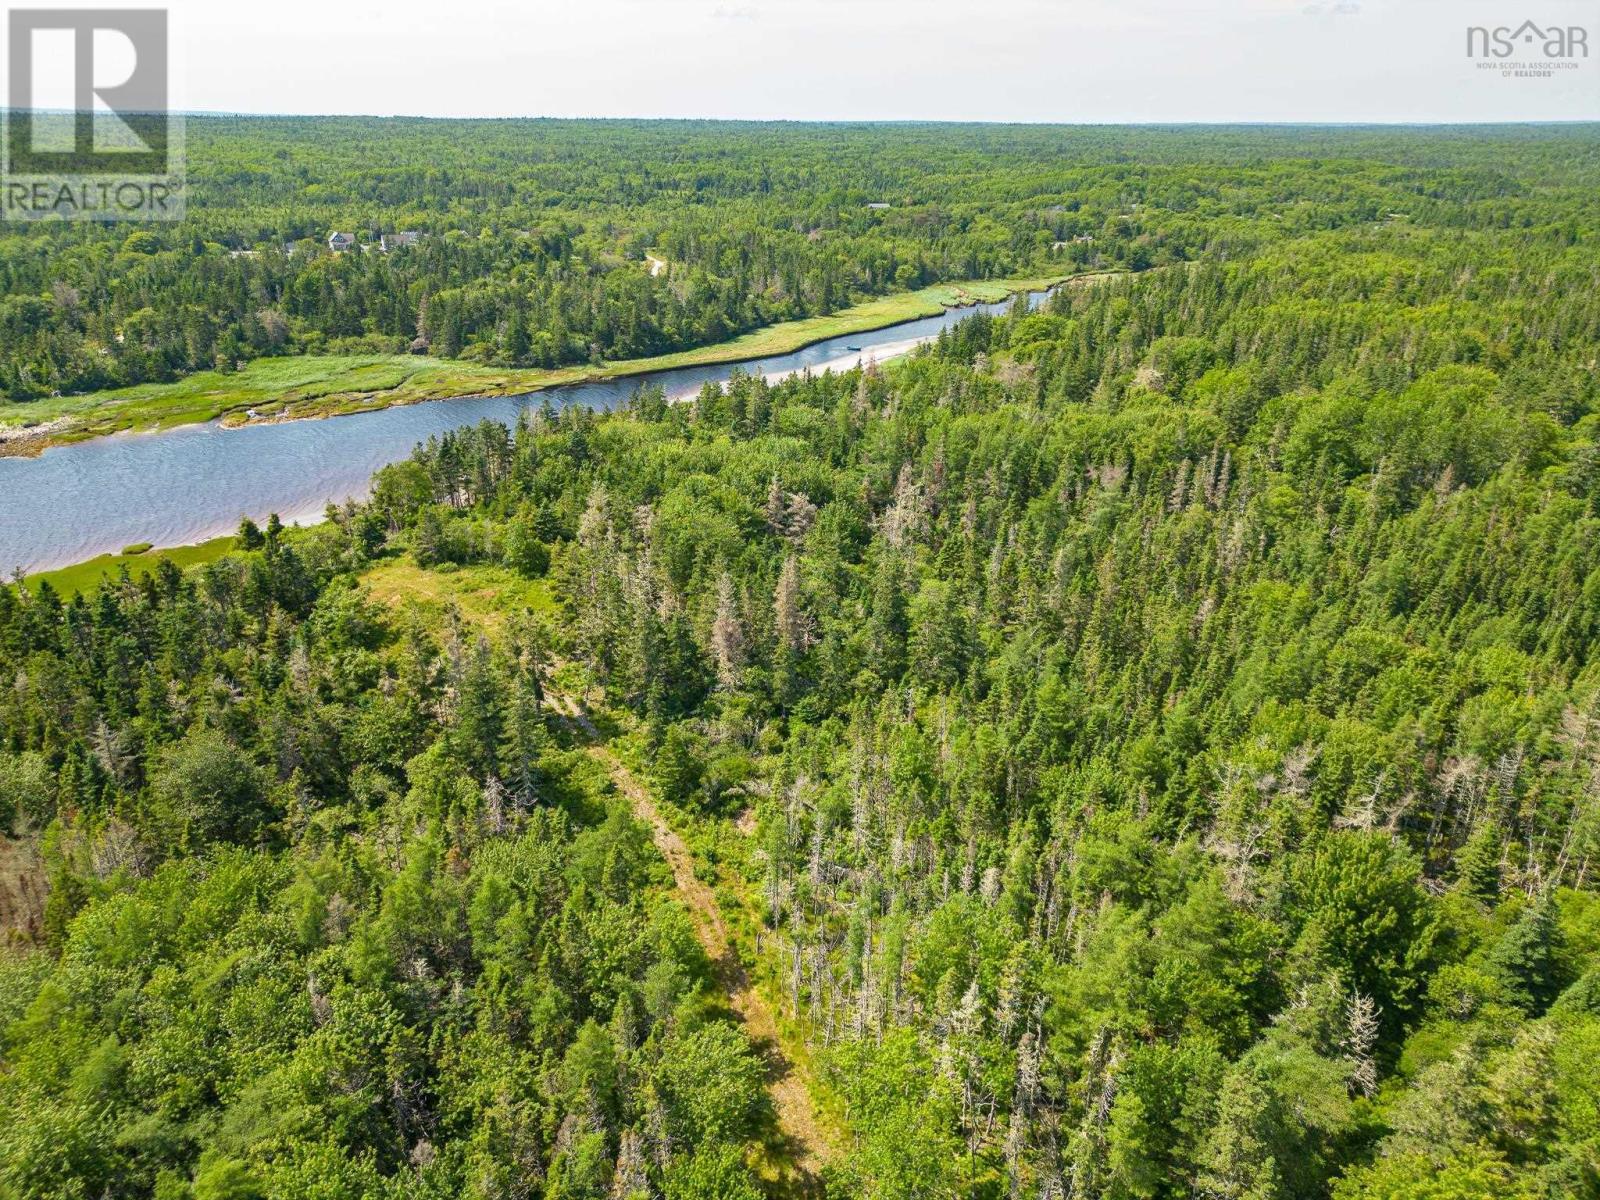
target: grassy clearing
86 576
487 596
329 385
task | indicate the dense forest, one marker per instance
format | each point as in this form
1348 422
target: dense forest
1145 746
533 235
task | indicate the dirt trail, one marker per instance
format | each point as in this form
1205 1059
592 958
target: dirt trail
804 1144
22 889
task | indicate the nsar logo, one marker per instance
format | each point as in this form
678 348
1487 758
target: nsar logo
1551 41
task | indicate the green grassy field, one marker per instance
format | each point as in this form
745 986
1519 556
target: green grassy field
486 595
327 385
82 577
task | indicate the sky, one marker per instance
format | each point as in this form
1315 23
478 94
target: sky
1095 61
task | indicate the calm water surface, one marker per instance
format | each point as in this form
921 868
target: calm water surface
196 482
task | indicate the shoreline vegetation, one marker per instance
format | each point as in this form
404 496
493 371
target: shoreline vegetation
79 578
315 386
82 577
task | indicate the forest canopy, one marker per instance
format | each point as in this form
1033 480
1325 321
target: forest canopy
1143 746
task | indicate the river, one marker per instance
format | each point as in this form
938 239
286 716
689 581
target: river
185 485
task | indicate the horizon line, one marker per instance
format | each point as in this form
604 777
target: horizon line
1214 123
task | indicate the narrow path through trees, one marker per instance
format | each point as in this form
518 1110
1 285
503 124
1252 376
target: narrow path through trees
803 1145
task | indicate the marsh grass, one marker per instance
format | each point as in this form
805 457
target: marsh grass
86 576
